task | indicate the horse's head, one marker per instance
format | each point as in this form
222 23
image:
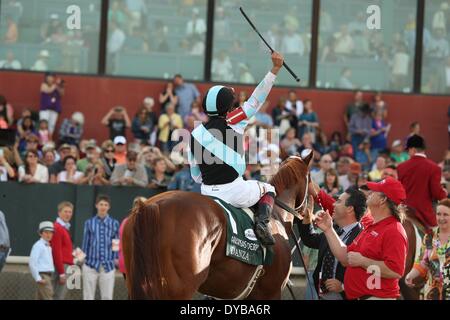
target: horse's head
292 179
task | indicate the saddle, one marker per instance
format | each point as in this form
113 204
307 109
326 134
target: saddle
242 243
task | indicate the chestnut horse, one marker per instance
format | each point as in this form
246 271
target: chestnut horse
174 244
411 224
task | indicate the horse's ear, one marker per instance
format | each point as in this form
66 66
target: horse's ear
307 155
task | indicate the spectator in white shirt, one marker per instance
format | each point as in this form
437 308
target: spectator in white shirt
197 25
294 104
32 171
6 171
222 69
10 62
41 262
117 39
70 173
344 43
41 64
438 46
325 164
293 43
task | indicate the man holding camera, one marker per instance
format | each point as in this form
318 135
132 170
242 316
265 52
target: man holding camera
52 90
117 120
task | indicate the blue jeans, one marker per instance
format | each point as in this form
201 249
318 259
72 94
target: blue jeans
2 259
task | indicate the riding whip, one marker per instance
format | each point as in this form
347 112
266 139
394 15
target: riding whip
270 48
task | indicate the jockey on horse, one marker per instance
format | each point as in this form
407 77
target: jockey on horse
218 162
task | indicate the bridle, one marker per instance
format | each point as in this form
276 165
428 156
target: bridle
296 213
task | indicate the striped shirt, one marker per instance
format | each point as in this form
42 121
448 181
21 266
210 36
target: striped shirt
97 242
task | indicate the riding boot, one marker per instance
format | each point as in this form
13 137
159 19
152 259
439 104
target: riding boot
262 231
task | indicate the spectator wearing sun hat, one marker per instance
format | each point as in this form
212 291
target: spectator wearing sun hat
72 129
41 262
131 173
421 178
92 156
381 247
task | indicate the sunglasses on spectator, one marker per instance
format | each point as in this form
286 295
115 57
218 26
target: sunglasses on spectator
109 150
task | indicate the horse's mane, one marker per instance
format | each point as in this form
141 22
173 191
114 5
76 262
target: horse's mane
291 172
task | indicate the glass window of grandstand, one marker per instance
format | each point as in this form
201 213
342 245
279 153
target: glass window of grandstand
368 45
238 53
436 48
50 35
156 38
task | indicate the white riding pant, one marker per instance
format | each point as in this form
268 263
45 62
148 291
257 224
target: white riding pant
239 193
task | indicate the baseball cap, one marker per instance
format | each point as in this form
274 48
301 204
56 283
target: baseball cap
392 188
396 143
120 140
46 226
90 145
415 141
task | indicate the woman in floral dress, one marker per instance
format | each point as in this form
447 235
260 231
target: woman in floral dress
435 263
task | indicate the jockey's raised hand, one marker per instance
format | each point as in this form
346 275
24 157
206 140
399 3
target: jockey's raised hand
277 61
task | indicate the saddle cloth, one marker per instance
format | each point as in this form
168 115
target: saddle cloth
242 243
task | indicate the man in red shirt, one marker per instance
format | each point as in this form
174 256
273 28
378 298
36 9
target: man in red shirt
62 249
421 178
376 259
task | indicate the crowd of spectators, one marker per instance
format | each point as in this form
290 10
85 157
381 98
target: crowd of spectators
153 158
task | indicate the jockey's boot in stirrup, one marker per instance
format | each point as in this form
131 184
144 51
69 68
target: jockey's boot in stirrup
262 231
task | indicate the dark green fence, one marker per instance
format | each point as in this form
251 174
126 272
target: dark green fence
25 206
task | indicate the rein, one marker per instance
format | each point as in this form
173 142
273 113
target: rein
296 214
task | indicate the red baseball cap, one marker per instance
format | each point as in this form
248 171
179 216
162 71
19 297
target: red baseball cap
392 188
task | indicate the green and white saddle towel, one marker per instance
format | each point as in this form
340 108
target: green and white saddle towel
242 243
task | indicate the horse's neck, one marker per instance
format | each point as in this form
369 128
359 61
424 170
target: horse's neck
287 198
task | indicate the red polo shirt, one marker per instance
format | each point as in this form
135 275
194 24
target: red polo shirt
382 241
